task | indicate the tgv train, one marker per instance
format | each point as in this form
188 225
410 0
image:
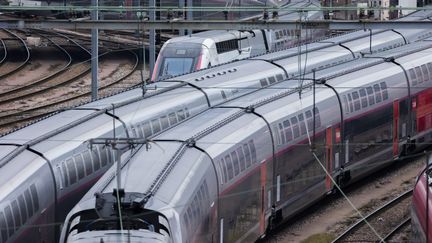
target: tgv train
185 54
49 166
239 169
421 215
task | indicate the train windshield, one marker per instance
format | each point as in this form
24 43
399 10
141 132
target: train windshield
175 59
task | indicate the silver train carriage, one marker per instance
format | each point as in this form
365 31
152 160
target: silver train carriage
59 141
237 170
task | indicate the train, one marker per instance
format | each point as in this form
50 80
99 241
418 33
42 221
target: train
234 172
47 166
193 52
420 211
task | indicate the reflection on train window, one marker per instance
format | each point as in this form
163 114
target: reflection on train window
350 103
88 162
356 99
187 112
371 97
173 66
172 118
224 170
302 124
272 80
3 226
235 163
35 197
9 220
72 171
229 167
28 202
247 155
65 174
155 125
419 74
253 151
384 90
377 93
22 207
180 115
309 120
16 214
295 127
425 72
288 132
80 166
241 158
147 130
413 76
96 159
364 102
282 135
164 121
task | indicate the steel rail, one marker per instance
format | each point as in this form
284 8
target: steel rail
19 67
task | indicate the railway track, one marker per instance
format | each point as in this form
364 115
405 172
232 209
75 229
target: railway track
13 60
39 85
20 117
4 51
386 221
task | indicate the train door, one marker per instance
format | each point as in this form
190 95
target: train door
329 157
395 138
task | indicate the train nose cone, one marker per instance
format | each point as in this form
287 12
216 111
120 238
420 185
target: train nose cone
116 236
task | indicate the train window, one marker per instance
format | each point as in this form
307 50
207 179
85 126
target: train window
288 132
279 77
302 124
371 97
187 112
156 127
282 133
225 172
235 161
185 218
425 73
226 46
35 197
277 34
147 130
263 82
419 74
295 127
9 220
317 118
96 159
71 171
222 177
253 151
172 118
28 203
247 155
65 174
189 212
22 207
140 130
16 214
272 80
134 130
103 155
80 166
241 158
180 115
164 121
384 90
413 76
356 100
429 65
87 162
346 104
230 170
377 93
364 102
3 227
309 120
350 103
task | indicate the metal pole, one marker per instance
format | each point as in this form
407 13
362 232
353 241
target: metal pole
152 35
189 13
182 5
94 53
